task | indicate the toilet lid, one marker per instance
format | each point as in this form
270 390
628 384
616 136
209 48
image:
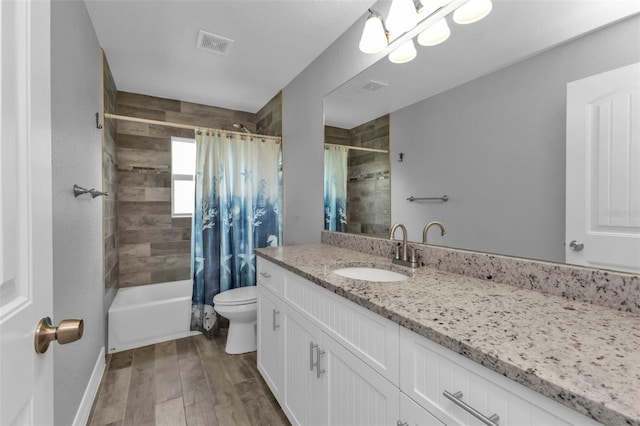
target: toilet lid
236 296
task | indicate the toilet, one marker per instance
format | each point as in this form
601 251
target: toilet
240 307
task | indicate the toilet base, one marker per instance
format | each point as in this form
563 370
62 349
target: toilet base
241 337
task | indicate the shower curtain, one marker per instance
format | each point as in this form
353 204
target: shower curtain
335 188
238 208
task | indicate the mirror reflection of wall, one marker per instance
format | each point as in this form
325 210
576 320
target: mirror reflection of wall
368 200
495 144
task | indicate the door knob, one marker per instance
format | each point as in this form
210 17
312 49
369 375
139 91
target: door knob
576 245
67 331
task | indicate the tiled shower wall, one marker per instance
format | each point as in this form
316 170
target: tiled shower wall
154 247
110 184
369 176
269 118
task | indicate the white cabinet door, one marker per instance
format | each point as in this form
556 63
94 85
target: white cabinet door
603 173
411 414
270 340
303 390
355 394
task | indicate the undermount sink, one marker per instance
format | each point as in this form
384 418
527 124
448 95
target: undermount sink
370 274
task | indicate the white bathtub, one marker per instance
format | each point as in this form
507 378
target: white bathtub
148 314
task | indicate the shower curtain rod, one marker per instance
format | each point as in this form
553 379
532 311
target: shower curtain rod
358 148
183 126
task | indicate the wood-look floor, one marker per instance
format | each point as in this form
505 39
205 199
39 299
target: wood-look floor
189 381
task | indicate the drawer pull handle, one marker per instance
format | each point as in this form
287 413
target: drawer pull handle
456 398
275 325
265 275
319 353
312 364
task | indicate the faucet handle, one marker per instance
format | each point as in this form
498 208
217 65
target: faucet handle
414 249
397 247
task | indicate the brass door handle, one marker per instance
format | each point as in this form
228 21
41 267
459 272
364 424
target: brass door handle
67 331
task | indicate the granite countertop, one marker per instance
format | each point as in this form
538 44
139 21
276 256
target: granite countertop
584 356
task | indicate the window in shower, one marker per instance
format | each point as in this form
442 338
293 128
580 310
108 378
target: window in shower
183 166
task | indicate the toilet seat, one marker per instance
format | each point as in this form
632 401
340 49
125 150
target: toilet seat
236 296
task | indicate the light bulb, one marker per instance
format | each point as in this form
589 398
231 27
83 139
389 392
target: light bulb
435 34
402 17
373 38
472 11
403 54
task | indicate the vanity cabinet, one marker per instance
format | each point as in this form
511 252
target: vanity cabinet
330 361
323 382
429 370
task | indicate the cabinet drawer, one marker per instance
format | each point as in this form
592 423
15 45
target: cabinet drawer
370 337
428 369
270 276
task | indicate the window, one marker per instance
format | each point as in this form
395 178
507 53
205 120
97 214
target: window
183 167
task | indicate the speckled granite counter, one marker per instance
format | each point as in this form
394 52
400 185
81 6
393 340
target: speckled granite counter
584 356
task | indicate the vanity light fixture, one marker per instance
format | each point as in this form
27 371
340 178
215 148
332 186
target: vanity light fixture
472 11
435 34
405 53
405 15
375 37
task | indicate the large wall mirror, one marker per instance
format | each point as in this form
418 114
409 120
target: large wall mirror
482 119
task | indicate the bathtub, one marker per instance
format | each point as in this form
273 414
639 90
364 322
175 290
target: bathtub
148 314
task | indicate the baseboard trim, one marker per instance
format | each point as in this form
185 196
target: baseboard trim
82 416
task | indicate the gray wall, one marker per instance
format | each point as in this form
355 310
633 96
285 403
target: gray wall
496 146
77 222
303 131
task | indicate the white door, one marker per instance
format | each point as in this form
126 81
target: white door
603 170
26 378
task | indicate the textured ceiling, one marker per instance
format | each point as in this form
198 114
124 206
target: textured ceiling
151 45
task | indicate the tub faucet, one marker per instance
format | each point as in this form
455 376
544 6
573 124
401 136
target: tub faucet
429 225
402 258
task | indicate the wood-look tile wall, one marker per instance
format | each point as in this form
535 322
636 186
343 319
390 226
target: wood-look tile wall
269 118
154 247
110 184
369 176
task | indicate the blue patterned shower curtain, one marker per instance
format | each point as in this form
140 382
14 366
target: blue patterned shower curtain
335 188
237 209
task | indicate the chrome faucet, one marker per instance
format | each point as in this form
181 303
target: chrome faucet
403 259
429 225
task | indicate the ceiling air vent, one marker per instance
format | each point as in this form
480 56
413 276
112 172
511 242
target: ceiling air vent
372 86
213 43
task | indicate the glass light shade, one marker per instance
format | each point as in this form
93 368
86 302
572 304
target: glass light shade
435 34
373 38
402 17
403 54
472 11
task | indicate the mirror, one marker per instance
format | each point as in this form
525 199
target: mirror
481 118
